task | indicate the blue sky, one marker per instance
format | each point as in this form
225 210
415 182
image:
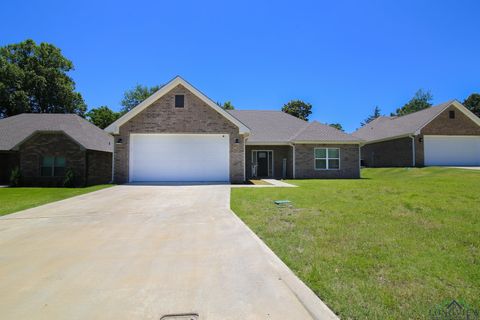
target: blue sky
344 57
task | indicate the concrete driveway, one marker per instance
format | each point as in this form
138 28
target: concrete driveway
142 252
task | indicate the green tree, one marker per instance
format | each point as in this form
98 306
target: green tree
472 103
375 115
337 126
421 100
135 96
298 108
102 117
33 78
226 106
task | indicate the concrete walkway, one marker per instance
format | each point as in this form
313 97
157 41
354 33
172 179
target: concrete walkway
270 183
141 252
467 168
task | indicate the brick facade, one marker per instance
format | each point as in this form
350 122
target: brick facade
443 125
305 162
163 117
390 153
50 144
90 167
99 167
279 153
8 161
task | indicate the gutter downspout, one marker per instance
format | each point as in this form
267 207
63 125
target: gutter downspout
113 161
245 137
413 150
293 162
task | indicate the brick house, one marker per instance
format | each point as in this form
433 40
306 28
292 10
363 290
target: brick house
44 146
179 134
444 135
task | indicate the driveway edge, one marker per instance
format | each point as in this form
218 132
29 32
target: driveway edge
312 303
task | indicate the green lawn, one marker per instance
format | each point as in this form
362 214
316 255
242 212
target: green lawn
388 246
16 199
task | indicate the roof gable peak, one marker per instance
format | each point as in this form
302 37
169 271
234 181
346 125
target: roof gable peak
177 80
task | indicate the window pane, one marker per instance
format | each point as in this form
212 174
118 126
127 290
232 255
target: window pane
47 161
333 153
59 171
179 101
333 164
320 153
46 171
320 164
59 161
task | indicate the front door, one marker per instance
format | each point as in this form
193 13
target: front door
263 163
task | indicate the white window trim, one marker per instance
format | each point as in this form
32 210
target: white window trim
326 159
184 101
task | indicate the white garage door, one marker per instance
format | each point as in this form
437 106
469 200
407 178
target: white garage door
179 157
452 150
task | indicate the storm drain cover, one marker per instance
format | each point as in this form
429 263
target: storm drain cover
180 316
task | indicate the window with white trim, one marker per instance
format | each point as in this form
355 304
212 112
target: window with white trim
179 101
327 158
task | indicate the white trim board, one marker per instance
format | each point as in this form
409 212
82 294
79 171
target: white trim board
115 127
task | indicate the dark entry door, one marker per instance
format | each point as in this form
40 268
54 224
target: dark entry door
262 164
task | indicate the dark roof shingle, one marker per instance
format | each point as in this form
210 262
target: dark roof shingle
15 129
316 131
268 126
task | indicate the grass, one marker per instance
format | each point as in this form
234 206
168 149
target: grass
391 245
16 199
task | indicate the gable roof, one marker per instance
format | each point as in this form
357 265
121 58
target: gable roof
277 127
316 131
385 128
114 127
269 126
16 129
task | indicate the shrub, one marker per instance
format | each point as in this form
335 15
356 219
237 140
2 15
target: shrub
69 180
15 177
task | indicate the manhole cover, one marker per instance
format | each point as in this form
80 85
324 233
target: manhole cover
180 316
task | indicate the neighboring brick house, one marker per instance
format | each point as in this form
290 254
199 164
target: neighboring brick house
443 135
45 146
179 134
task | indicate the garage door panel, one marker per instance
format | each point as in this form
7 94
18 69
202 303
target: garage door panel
452 150
186 157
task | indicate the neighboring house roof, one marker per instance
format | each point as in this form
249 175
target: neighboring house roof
385 128
277 127
114 127
16 129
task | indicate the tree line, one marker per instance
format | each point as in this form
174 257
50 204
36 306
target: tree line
34 79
